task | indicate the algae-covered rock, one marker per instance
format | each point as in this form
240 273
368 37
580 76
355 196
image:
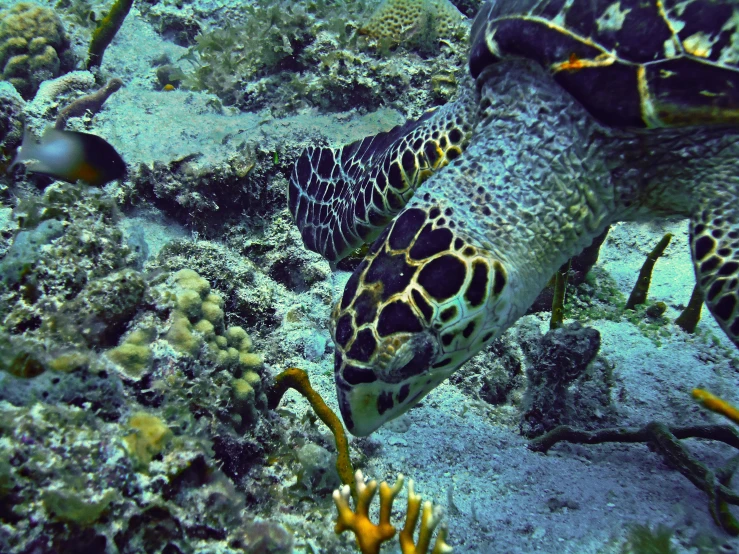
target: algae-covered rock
73 507
102 310
26 249
318 468
267 537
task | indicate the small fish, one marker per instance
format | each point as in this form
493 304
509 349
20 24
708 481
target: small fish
71 156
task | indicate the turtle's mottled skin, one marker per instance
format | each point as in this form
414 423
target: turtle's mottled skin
583 113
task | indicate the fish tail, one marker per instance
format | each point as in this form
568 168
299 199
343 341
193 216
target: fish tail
25 150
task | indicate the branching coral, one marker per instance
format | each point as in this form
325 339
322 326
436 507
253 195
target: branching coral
106 31
639 293
295 378
371 536
666 441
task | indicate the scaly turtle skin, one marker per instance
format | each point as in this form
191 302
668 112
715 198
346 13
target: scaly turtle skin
583 113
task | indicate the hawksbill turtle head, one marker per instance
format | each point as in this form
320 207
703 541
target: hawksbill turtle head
419 305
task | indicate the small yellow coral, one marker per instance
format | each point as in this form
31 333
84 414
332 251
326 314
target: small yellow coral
188 301
180 334
69 361
250 360
189 279
213 313
132 358
141 336
236 336
149 437
716 404
242 391
205 328
215 299
371 536
252 378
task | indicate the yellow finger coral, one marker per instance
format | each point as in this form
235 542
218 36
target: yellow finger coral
371 536
716 404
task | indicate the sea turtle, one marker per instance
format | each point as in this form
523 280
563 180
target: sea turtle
582 113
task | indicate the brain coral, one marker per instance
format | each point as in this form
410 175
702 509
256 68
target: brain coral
400 20
33 47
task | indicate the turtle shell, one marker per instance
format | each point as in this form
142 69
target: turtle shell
631 63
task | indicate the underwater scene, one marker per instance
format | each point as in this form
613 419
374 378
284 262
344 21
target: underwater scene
369 276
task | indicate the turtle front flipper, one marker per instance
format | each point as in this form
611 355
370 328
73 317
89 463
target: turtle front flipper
714 244
341 198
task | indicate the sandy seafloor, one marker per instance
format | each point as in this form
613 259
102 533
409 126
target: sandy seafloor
464 454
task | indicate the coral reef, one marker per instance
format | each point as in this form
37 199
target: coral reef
324 62
73 477
66 288
199 192
33 47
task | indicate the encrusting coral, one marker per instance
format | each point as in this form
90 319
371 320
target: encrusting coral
413 20
148 437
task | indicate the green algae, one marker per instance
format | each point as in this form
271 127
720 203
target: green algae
71 507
